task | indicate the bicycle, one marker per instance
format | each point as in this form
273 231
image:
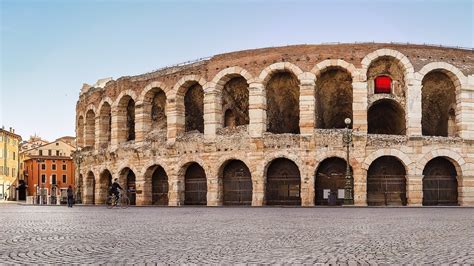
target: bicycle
121 202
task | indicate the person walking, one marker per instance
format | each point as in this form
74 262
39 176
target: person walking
70 197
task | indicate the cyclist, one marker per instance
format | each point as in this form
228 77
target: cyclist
115 189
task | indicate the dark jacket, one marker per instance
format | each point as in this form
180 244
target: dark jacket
70 193
116 185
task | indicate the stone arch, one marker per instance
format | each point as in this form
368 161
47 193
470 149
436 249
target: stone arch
292 157
387 182
102 190
189 103
156 185
231 86
89 191
124 110
330 181
235 182
90 128
282 93
80 130
453 156
267 73
195 183
386 116
440 182
404 62
336 63
283 182
154 108
127 179
105 123
334 93
440 80
404 159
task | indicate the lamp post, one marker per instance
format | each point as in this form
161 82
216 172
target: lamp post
38 191
347 140
78 158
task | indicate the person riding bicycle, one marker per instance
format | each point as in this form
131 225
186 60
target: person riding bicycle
115 189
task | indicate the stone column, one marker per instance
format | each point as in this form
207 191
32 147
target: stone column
257 110
116 132
175 118
307 190
213 192
212 111
465 110
414 190
360 187
413 108
100 193
97 132
466 190
359 106
142 198
88 192
307 104
142 125
175 191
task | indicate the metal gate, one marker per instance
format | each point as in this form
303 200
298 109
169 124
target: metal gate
330 182
195 186
237 184
440 190
160 187
283 183
386 190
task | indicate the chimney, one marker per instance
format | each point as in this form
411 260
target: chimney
10 129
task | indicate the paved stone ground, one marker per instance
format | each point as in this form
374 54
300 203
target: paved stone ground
56 234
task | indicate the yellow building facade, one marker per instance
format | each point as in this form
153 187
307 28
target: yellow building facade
9 163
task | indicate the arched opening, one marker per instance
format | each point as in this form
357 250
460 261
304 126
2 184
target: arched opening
283 183
283 109
155 111
105 125
386 182
386 117
126 119
235 100
80 131
90 188
386 75
194 109
237 183
105 181
159 186
440 186
195 185
127 181
438 97
90 129
334 98
229 119
330 181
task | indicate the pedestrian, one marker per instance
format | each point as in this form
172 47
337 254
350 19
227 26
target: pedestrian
70 197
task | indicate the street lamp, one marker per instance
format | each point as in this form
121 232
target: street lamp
347 140
38 191
78 158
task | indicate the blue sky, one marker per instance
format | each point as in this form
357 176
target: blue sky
49 48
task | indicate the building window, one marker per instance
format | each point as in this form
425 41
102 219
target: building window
41 152
53 167
383 84
64 167
57 143
43 178
53 179
49 153
14 156
64 179
1 170
43 166
13 172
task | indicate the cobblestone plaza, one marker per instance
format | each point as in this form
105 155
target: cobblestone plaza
56 234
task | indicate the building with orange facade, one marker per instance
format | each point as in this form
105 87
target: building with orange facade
48 172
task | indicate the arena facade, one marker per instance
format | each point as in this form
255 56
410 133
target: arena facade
265 127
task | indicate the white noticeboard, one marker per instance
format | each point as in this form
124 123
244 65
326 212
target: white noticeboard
326 193
340 193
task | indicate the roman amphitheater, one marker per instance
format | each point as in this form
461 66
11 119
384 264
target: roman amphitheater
266 127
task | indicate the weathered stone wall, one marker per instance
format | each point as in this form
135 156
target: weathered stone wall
175 149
